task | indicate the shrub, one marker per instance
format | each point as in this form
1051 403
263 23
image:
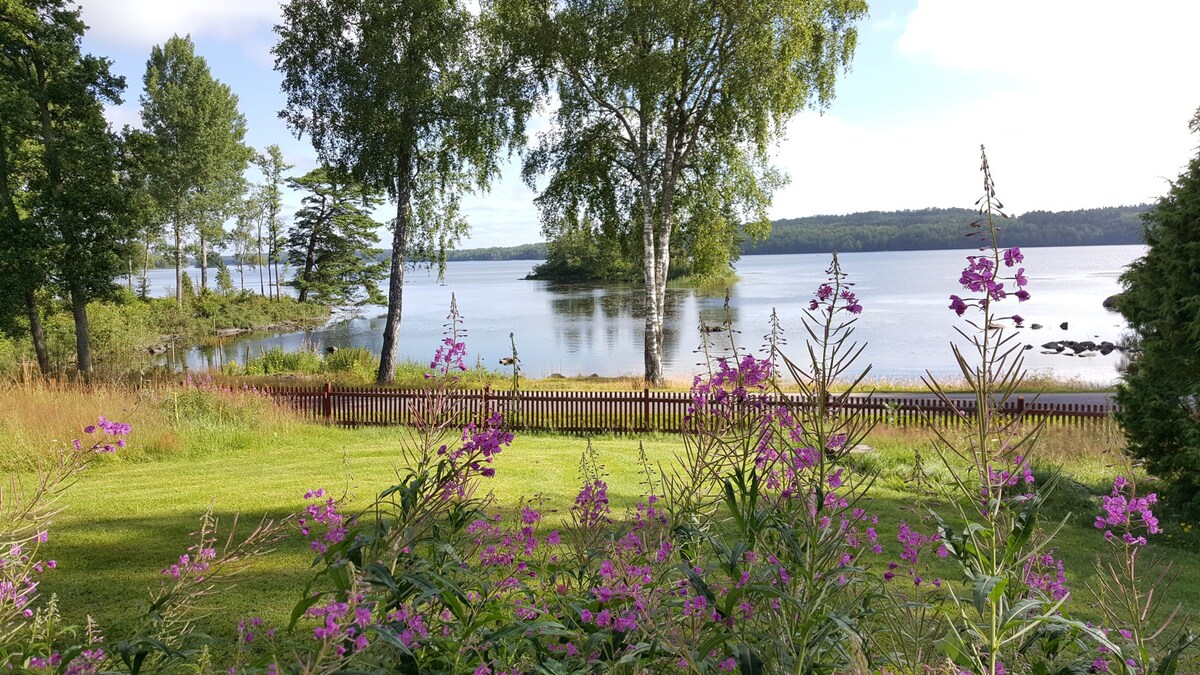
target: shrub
277 360
355 360
1160 390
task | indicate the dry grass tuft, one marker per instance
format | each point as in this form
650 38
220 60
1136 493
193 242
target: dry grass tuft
39 418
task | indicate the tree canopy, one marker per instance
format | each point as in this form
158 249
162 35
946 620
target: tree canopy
64 214
1160 390
330 242
198 155
396 96
666 112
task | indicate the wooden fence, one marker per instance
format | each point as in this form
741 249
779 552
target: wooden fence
623 411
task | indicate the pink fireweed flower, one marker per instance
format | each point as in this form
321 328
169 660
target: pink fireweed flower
449 357
1047 574
982 277
1128 513
827 301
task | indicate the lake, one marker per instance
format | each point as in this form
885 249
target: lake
575 329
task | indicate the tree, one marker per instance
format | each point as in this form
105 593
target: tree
24 252
1160 391
393 94
246 246
331 241
270 196
76 213
667 110
199 155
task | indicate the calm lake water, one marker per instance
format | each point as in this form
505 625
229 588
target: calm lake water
577 329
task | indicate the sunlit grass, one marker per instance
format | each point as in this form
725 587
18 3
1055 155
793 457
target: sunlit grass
129 516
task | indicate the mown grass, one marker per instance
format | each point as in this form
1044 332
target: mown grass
130 515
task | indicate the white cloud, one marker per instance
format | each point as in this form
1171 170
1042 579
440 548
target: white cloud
1069 43
142 23
1088 106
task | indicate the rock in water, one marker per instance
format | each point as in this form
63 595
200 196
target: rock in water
1063 325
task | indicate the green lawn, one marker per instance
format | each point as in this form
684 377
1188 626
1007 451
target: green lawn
125 520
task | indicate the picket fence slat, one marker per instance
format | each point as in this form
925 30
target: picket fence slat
632 411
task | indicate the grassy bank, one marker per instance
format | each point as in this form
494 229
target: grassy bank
125 330
130 515
358 366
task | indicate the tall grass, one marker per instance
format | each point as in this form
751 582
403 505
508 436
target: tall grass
39 418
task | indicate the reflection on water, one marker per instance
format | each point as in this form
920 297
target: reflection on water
582 329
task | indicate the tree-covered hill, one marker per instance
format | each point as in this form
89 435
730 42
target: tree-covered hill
912 230
944 228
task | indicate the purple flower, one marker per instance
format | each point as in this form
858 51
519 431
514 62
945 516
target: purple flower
957 304
1012 256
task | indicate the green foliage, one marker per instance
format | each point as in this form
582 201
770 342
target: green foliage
277 360
195 154
664 119
926 229
1160 390
423 118
522 252
584 250
187 292
330 243
353 360
268 201
224 279
70 221
210 407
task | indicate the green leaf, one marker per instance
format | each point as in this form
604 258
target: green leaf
988 590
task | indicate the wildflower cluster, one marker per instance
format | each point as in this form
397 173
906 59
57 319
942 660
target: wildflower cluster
1046 574
106 429
733 382
342 626
1003 473
591 505
1127 513
449 357
450 354
18 577
324 511
826 297
190 565
475 457
982 276
913 543
250 629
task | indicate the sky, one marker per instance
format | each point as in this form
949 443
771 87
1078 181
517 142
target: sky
1080 103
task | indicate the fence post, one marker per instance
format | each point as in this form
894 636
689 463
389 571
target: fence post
1020 406
328 402
645 409
487 387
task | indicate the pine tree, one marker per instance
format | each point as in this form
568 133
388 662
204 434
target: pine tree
331 242
1160 391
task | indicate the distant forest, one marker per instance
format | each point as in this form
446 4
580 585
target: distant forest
945 228
523 252
914 230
